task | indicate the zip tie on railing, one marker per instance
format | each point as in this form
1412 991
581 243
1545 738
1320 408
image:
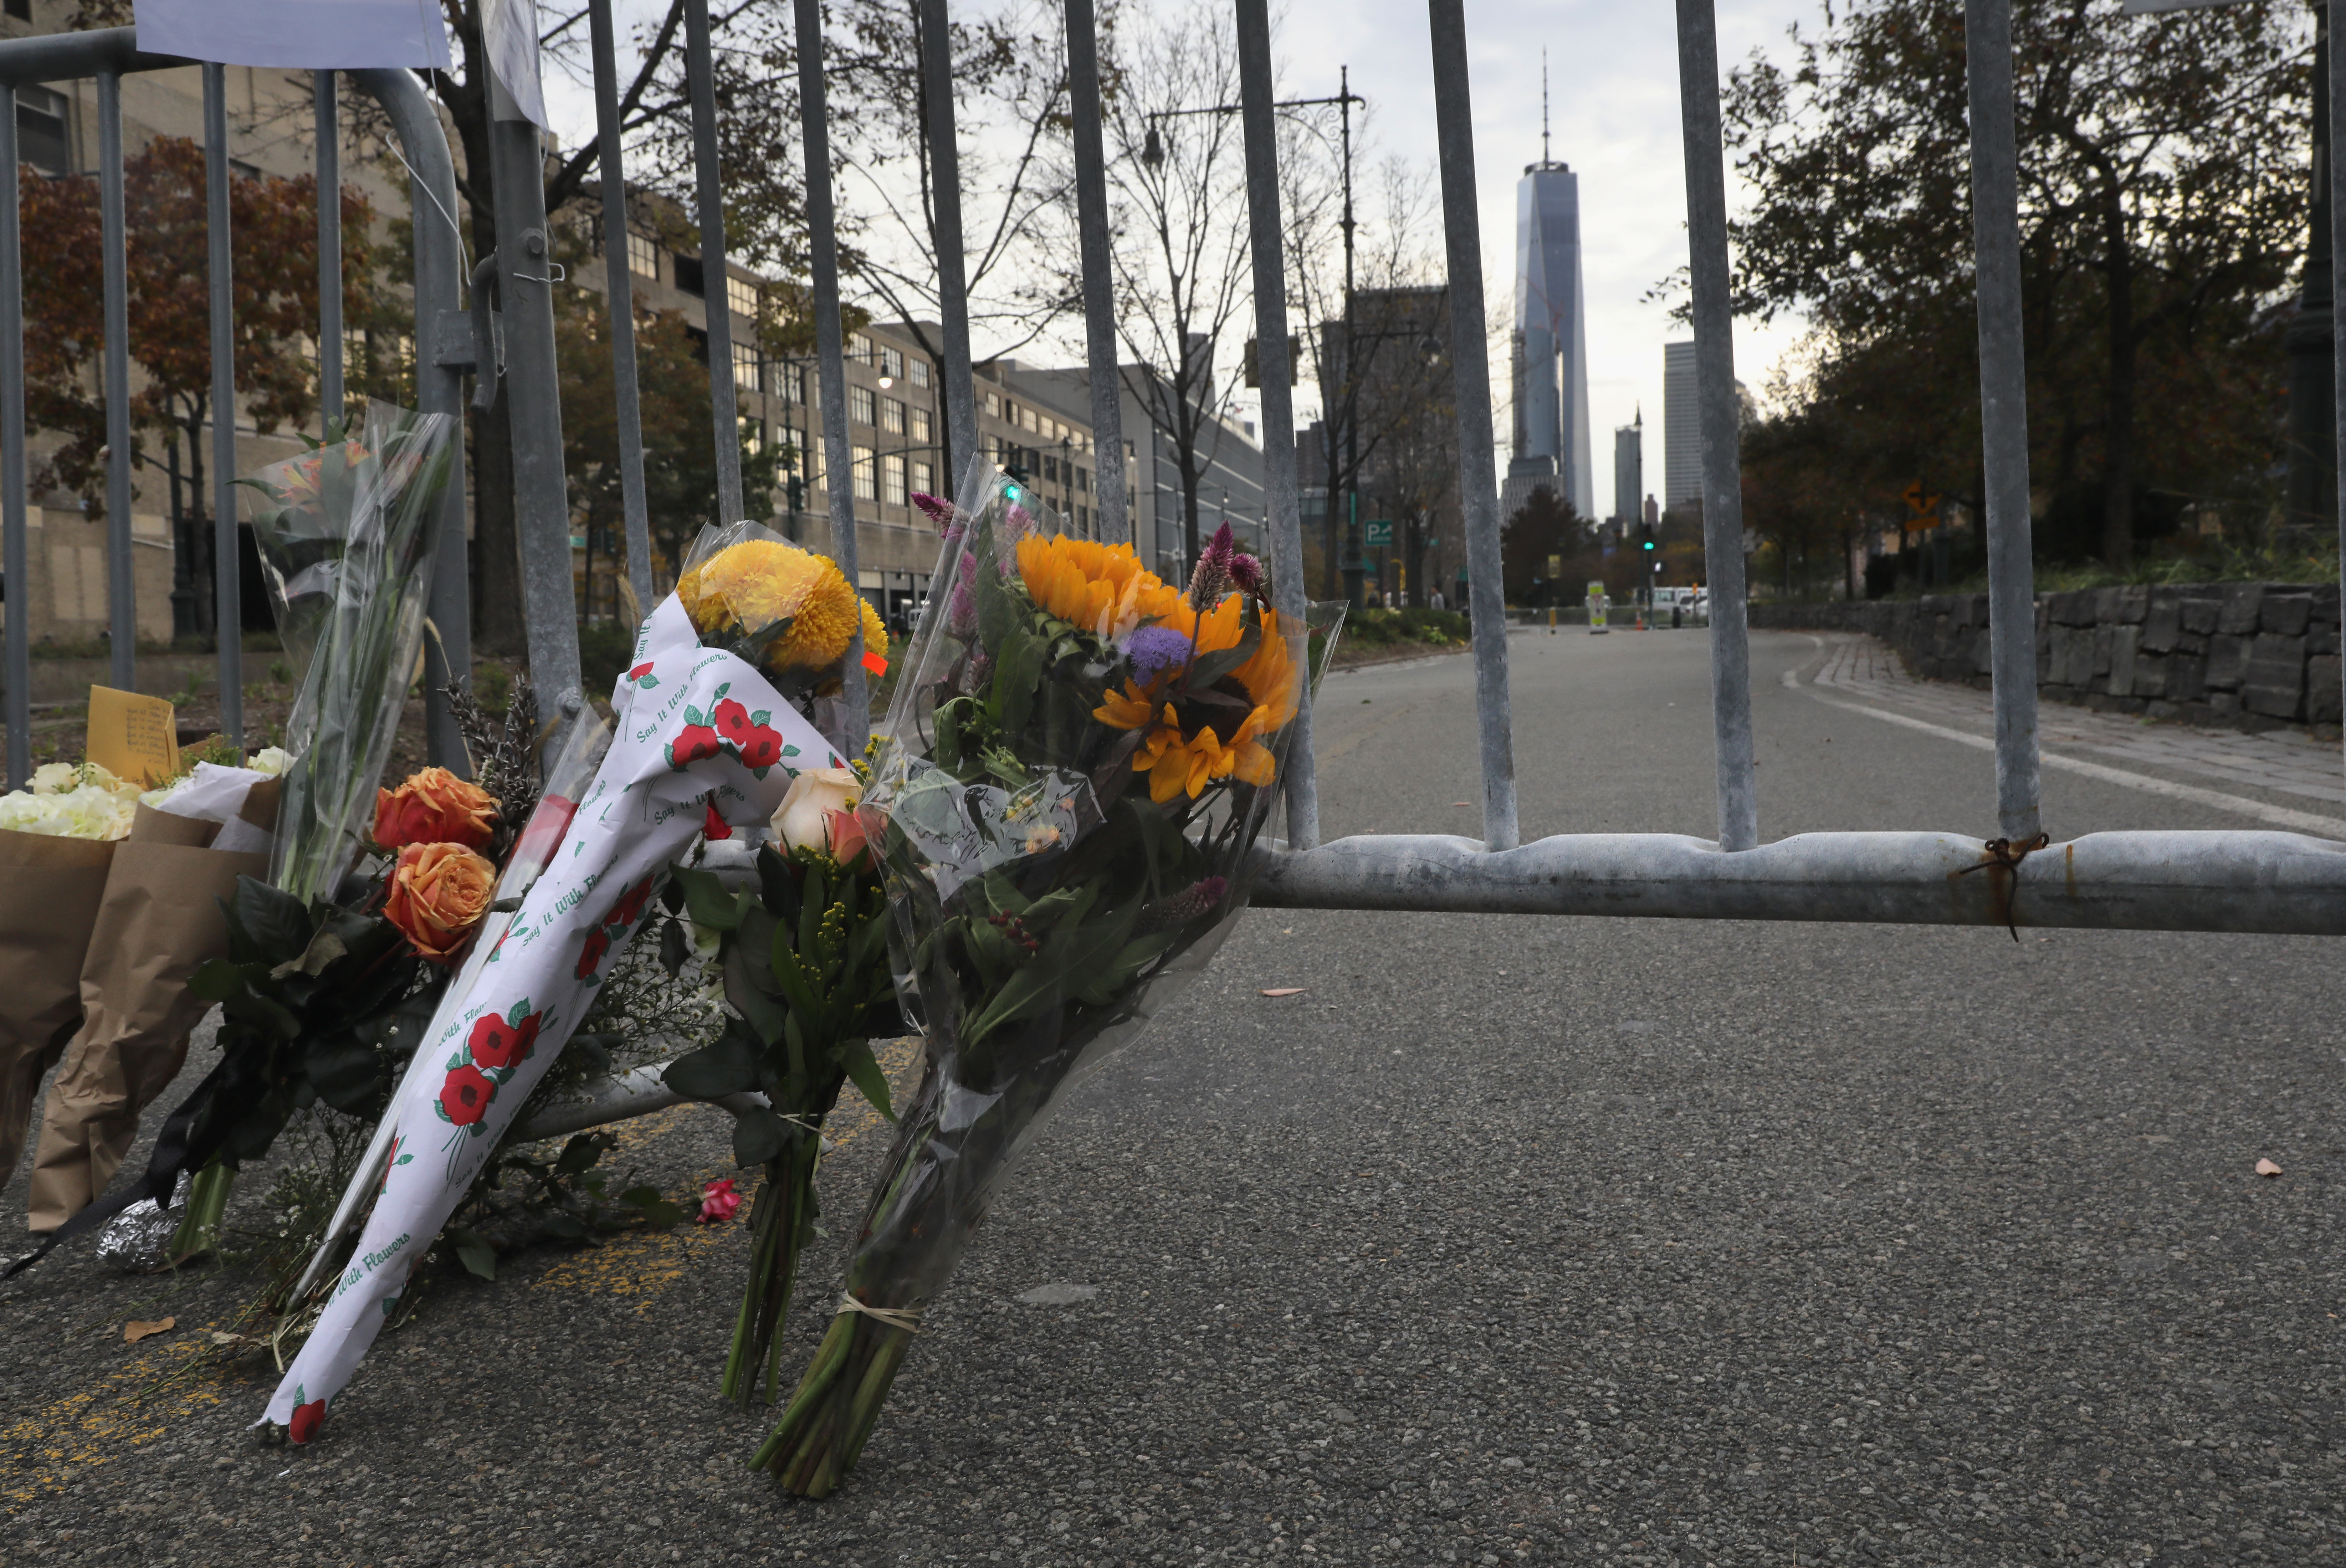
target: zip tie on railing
908 1319
2004 854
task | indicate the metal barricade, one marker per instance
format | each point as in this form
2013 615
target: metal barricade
2249 882
441 347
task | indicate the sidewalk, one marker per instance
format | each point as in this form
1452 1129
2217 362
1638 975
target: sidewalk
2280 767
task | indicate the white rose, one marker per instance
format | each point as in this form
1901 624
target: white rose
55 777
271 760
805 812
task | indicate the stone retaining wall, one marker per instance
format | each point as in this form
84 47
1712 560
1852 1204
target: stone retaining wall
2244 655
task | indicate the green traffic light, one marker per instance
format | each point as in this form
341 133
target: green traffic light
1649 544
1010 493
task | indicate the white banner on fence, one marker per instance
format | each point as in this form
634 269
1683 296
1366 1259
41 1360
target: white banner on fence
305 35
509 29
697 732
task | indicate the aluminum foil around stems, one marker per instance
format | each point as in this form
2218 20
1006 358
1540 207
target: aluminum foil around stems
138 1239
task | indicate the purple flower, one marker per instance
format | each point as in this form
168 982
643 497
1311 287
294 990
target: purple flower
976 672
1212 578
961 612
1016 524
934 508
1246 571
1155 648
1195 902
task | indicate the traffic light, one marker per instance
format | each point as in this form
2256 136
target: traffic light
1649 544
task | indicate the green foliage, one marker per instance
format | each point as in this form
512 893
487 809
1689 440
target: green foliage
1385 629
2162 191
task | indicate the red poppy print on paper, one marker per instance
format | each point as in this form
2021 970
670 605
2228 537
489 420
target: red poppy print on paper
465 1097
590 957
496 1043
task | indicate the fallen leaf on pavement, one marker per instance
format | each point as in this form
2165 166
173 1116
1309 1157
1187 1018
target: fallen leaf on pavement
1287 991
220 1336
137 1329
2267 1168
1458 802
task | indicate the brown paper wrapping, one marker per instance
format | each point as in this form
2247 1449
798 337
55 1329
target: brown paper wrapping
50 889
160 918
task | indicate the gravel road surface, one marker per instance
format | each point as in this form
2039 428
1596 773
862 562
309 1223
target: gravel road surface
1509 1240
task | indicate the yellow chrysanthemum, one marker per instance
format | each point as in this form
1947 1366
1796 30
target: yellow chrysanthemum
762 582
875 631
1271 680
1103 589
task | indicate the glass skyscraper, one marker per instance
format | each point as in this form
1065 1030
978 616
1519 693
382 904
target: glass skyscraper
1551 340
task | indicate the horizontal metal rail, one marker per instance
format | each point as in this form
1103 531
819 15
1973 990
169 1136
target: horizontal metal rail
2277 884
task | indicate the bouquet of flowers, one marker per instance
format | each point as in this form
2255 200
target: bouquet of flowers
804 959
1076 767
345 546
709 735
106 905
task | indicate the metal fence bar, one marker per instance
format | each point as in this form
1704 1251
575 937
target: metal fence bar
438 389
619 296
1111 507
2336 87
330 249
1722 417
2004 415
953 280
533 400
2234 882
228 584
15 548
1283 506
121 579
830 366
1478 480
716 280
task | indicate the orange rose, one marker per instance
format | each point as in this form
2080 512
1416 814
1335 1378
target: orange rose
438 895
434 806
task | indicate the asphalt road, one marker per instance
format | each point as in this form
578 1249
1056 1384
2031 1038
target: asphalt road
1510 1239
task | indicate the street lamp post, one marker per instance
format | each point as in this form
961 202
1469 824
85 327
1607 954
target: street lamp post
1152 153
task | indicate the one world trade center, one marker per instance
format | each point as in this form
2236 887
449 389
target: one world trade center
1551 344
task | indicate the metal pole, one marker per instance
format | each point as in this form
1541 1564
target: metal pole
438 389
2004 415
228 617
2311 484
830 367
1478 480
121 581
1109 500
1720 417
533 414
2336 87
15 567
1284 510
329 253
952 285
619 295
716 283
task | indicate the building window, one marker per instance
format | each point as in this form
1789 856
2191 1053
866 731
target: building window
741 293
920 369
891 416
859 405
891 362
643 257
1050 470
745 367
994 405
21 11
687 275
753 436
925 478
40 123
1082 481
891 479
867 485
921 427
858 350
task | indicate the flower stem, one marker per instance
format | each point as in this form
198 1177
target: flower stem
199 1231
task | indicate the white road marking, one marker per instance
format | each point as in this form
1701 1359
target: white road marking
2241 805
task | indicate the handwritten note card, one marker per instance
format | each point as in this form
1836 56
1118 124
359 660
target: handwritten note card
133 737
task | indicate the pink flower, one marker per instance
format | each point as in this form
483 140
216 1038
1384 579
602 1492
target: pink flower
717 1201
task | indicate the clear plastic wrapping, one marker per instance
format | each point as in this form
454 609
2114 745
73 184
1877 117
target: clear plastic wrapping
1079 762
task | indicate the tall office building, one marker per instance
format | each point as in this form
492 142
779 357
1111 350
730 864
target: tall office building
1628 469
1681 427
1551 342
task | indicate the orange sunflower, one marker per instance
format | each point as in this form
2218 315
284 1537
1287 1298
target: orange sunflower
1177 763
1103 589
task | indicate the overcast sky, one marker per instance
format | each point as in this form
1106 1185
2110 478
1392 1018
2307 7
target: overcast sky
1614 119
